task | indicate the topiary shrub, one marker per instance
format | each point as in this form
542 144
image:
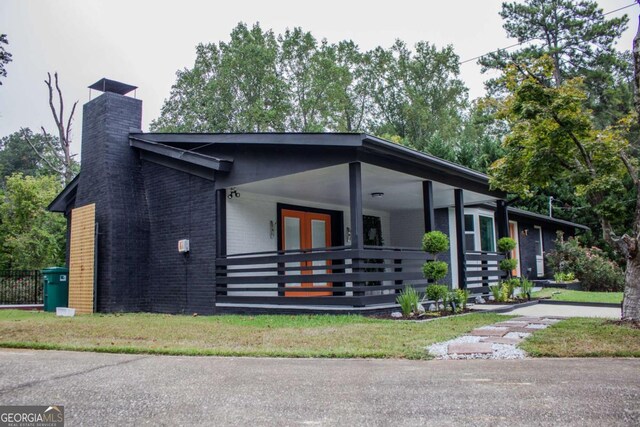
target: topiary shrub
508 264
435 242
436 293
506 244
435 270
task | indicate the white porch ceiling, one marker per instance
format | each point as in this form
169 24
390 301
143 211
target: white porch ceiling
331 186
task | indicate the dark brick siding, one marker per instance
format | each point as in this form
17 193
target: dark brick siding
110 178
181 206
528 265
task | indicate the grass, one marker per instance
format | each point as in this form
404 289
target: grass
232 335
584 337
560 294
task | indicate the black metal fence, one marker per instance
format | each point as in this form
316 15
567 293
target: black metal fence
20 287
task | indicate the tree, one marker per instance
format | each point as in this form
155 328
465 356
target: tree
30 237
553 137
233 87
579 41
56 152
418 95
17 156
5 57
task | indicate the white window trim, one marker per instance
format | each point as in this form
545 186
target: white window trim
477 213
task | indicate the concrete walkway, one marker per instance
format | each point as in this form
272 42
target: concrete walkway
556 310
116 389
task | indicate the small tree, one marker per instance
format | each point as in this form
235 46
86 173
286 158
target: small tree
434 243
508 264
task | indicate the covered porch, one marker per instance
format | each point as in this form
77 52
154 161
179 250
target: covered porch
347 235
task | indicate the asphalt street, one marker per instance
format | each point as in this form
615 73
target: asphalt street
111 389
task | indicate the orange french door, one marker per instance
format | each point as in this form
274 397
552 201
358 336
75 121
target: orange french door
306 230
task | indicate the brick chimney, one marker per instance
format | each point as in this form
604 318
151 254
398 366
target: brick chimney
111 178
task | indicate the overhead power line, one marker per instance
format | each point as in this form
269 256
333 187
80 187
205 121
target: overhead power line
526 41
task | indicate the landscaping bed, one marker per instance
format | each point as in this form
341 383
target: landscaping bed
343 336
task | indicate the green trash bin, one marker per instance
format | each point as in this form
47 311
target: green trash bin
56 287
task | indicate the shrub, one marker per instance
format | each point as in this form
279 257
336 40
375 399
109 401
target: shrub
463 297
408 300
435 270
510 286
525 288
436 292
435 242
496 291
506 244
508 264
590 266
453 300
564 277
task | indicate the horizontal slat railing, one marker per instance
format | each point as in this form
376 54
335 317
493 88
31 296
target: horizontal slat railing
355 276
482 270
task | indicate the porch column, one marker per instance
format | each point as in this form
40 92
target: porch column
502 219
221 231
357 228
427 206
459 213
355 204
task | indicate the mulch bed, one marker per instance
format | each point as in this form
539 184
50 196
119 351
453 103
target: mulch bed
427 315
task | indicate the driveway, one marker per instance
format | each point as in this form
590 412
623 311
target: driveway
109 389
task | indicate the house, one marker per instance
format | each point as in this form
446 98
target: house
271 222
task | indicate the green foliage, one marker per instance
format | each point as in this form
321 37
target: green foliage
508 264
463 297
258 81
510 286
408 300
580 41
594 271
5 57
561 277
506 244
435 270
526 287
498 292
452 299
30 237
435 242
17 155
436 292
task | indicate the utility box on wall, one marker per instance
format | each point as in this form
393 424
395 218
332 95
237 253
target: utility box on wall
183 246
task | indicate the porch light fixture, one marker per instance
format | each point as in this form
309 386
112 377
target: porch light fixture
233 193
272 229
377 195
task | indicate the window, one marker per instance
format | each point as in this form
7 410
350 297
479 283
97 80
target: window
469 233
487 237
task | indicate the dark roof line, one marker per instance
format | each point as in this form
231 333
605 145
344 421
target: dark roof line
59 204
198 159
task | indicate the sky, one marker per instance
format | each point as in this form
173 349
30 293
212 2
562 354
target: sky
144 42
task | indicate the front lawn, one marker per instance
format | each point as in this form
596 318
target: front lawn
559 294
232 335
584 337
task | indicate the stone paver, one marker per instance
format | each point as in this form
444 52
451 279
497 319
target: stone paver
470 348
501 340
511 324
489 332
497 341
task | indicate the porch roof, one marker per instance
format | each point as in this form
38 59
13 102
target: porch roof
365 143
